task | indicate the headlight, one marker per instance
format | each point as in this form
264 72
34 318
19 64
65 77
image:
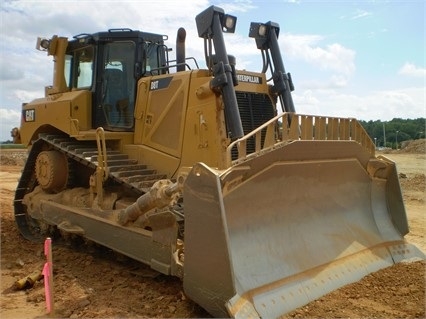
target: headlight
262 30
42 44
229 23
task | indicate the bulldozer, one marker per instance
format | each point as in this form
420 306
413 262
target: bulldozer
206 174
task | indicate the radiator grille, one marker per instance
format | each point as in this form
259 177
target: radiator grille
255 109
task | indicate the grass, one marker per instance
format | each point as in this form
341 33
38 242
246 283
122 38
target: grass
12 146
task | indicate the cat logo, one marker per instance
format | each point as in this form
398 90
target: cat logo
29 115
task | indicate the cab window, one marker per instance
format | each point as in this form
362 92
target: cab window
79 68
118 89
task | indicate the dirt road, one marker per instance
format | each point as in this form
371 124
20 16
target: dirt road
91 282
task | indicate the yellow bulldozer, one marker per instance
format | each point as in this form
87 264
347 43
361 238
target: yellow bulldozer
206 174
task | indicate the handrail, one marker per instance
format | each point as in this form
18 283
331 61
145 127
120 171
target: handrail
102 155
102 167
287 127
170 66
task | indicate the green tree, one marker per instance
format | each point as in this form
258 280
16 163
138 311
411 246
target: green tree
395 130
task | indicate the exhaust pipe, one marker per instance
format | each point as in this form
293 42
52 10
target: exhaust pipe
180 50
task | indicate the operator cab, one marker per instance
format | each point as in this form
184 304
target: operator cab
109 64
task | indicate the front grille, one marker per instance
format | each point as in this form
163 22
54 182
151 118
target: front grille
255 109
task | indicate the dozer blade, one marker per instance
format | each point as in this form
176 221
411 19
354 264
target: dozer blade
282 229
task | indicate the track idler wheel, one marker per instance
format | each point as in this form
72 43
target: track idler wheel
52 171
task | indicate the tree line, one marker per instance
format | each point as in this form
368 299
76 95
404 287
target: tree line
394 132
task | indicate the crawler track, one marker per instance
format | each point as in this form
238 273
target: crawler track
122 170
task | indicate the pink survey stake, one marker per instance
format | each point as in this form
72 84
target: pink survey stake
48 275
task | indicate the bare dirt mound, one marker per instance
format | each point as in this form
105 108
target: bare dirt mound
394 292
414 146
415 183
13 157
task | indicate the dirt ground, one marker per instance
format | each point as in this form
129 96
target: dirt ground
92 282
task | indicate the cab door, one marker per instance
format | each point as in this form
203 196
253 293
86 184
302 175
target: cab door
116 87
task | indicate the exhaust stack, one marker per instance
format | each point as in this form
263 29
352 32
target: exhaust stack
180 50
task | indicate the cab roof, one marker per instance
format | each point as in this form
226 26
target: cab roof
111 35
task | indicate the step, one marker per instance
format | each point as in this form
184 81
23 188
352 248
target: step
121 162
142 178
134 172
94 152
75 146
124 168
110 156
83 150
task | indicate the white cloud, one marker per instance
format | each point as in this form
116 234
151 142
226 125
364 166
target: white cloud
410 69
334 57
384 105
307 98
336 62
236 6
359 14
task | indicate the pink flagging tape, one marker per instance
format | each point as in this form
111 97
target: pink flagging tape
48 275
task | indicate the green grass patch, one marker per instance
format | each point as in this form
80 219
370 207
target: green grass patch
12 146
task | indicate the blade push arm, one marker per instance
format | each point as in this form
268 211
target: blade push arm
266 36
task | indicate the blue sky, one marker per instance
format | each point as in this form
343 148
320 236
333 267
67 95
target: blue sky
362 59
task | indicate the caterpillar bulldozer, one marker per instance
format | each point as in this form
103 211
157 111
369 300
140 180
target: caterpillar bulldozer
207 174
